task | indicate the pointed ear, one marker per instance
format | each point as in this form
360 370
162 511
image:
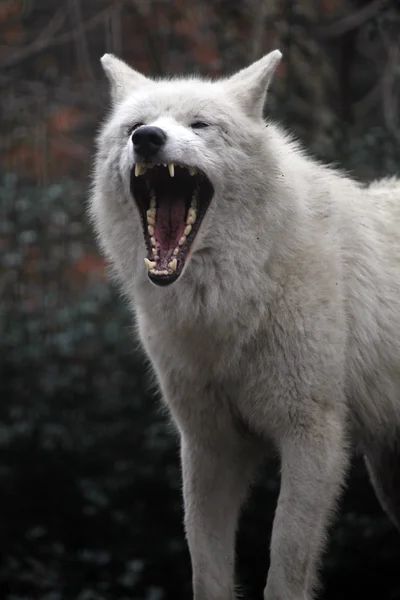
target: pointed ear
250 85
121 76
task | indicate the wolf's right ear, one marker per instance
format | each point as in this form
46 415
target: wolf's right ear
121 76
250 85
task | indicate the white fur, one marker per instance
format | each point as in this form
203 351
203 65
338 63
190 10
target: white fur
284 326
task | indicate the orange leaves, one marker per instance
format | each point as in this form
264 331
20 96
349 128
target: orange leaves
13 35
9 10
331 6
26 160
89 263
11 28
48 149
206 54
86 271
65 119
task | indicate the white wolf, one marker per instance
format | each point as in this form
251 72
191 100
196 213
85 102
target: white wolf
266 289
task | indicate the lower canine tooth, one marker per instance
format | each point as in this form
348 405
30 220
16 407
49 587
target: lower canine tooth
140 169
171 169
173 264
149 264
182 240
188 229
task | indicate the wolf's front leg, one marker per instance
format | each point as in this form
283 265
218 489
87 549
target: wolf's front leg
314 463
216 477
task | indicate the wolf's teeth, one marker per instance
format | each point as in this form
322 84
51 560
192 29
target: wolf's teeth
151 213
140 169
153 202
153 240
176 250
150 264
182 240
171 169
192 171
188 229
173 264
150 229
193 203
191 218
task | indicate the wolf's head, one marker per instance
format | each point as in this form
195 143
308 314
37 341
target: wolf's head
182 169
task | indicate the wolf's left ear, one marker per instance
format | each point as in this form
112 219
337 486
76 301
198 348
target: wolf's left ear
121 76
250 85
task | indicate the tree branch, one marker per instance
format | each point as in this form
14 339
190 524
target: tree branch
353 21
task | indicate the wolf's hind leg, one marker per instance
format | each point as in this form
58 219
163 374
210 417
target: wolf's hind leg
383 465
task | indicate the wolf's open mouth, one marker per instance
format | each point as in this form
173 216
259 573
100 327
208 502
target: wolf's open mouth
172 202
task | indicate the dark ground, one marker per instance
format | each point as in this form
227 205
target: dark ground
91 506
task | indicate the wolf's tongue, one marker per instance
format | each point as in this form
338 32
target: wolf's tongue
170 222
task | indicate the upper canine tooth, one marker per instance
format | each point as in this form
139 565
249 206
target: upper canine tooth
140 169
150 264
171 169
151 213
192 171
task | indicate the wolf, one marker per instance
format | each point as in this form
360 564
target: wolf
266 293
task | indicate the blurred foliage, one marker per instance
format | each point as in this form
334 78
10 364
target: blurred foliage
90 498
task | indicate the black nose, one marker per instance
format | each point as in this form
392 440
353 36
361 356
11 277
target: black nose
148 140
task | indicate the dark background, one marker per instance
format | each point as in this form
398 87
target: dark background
90 503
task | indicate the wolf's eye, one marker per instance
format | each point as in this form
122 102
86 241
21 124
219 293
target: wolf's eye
199 125
133 127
